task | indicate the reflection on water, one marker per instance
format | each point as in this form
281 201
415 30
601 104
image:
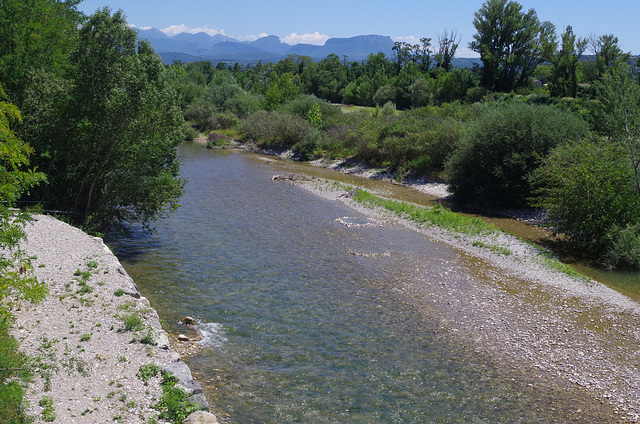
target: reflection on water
309 320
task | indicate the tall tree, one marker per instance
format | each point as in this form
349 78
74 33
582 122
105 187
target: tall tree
564 62
509 43
448 43
607 53
35 35
111 154
619 95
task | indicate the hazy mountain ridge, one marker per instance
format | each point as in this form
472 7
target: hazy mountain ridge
189 47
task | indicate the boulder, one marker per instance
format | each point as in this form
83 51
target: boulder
201 417
188 321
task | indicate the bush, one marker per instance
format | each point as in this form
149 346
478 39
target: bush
302 104
219 94
503 147
242 104
200 113
225 120
588 189
623 248
275 129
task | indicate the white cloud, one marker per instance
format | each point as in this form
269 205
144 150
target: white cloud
411 39
316 38
177 29
248 37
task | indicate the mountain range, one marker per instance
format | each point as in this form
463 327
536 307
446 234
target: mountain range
188 47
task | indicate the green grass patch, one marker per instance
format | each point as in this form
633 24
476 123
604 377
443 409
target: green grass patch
494 248
132 322
437 215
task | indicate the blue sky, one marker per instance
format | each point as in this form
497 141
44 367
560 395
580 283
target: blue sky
296 21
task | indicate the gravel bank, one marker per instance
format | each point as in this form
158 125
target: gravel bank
572 333
86 359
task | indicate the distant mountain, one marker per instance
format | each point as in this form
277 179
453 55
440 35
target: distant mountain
219 48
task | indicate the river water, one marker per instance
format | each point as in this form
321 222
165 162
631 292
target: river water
308 320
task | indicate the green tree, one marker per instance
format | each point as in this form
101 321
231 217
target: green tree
509 43
589 193
619 95
448 43
505 144
15 277
564 61
110 153
607 54
35 35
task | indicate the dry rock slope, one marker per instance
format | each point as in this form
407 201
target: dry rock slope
91 335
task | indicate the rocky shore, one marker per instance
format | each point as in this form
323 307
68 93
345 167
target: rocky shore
91 336
567 332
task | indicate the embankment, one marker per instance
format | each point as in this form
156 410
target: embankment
91 335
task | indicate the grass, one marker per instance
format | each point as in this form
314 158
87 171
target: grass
442 217
437 215
132 322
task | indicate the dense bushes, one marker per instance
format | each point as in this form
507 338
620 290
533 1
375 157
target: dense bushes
503 147
589 191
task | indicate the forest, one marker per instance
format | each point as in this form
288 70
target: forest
90 119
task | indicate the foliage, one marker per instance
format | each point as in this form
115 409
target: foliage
589 192
502 147
35 35
303 104
564 60
275 129
173 405
16 279
200 113
619 95
109 143
508 41
437 215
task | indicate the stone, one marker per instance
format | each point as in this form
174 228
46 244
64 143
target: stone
188 321
181 371
200 400
161 339
183 338
201 417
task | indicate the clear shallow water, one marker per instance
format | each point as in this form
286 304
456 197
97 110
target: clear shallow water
310 321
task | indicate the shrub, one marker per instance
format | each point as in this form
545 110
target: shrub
225 120
302 104
218 94
132 322
276 129
503 147
242 104
588 189
200 113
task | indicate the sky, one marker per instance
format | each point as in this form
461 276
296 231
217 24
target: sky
314 21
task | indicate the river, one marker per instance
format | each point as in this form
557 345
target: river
307 320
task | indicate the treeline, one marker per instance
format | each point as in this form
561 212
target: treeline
536 125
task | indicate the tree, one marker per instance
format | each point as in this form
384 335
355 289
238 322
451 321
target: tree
35 35
607 54
110 150
509 43
15 278
588 190
619 95
497 155
564 61
448 43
